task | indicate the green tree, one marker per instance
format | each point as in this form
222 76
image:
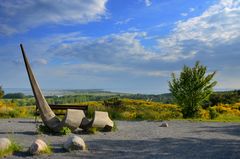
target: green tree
1 92
192 88
14 95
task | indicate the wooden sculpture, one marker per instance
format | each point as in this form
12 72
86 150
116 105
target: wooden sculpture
73 118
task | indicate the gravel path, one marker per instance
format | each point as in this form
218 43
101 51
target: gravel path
141 139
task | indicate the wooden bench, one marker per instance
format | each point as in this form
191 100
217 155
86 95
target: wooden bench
65 107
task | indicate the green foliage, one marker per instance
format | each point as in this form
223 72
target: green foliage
14 147
10 110
229 97
113 102
14 96
1 92
136 110
192 88
43 129
47 150
115 128
213 113
92 130
65 131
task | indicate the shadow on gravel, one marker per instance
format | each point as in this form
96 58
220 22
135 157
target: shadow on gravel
22 154
21 132
229 130
164 148
57 148
156 148
29 121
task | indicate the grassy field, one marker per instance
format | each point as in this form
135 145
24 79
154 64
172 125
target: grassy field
129 109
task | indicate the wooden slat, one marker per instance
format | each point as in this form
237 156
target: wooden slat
65 107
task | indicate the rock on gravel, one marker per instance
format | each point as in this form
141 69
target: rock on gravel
164 124
74 143
4 143
137 139
37 147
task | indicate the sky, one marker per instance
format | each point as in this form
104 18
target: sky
118 45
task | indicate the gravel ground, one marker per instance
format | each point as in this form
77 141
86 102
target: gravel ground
141 139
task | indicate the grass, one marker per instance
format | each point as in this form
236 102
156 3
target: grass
43 129
9 109
94 130
128 109
47 150
14 147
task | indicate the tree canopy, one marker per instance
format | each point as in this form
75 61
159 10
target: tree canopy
1 92
192 88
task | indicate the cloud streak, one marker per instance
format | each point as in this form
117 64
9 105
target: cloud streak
148 3
218 26
19 16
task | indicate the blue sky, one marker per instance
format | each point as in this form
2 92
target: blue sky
118 45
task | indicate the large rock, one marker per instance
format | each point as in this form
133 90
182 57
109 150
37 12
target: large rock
4 144
102 120
74 143
37 147
164 124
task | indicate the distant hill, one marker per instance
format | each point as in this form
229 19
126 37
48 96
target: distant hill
225 97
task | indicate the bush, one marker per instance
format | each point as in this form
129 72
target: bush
1 92
14 96
14 147
43 129
112 102
213 113
65 131
192 88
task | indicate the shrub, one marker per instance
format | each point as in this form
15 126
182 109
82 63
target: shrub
14 96
192 88
14 147
92 130
112 102
213 113
1 92
43 129
65 131
47 150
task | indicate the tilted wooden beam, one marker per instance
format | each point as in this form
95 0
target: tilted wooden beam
73 118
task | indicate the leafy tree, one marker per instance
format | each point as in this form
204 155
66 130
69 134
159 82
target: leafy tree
14 96
1 92
192 88
113 102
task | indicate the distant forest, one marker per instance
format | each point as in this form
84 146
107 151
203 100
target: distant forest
225 97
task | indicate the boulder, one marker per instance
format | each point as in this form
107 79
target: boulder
4 144
74 143
102 120
37 147
164 124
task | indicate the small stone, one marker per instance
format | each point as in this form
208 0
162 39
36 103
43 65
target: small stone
4 144
37 147
164 124
74 143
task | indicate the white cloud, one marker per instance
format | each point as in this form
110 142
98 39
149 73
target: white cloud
184 14
148 3
40 61
115 48
17 16
218 26
191 9
187 13
125 21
